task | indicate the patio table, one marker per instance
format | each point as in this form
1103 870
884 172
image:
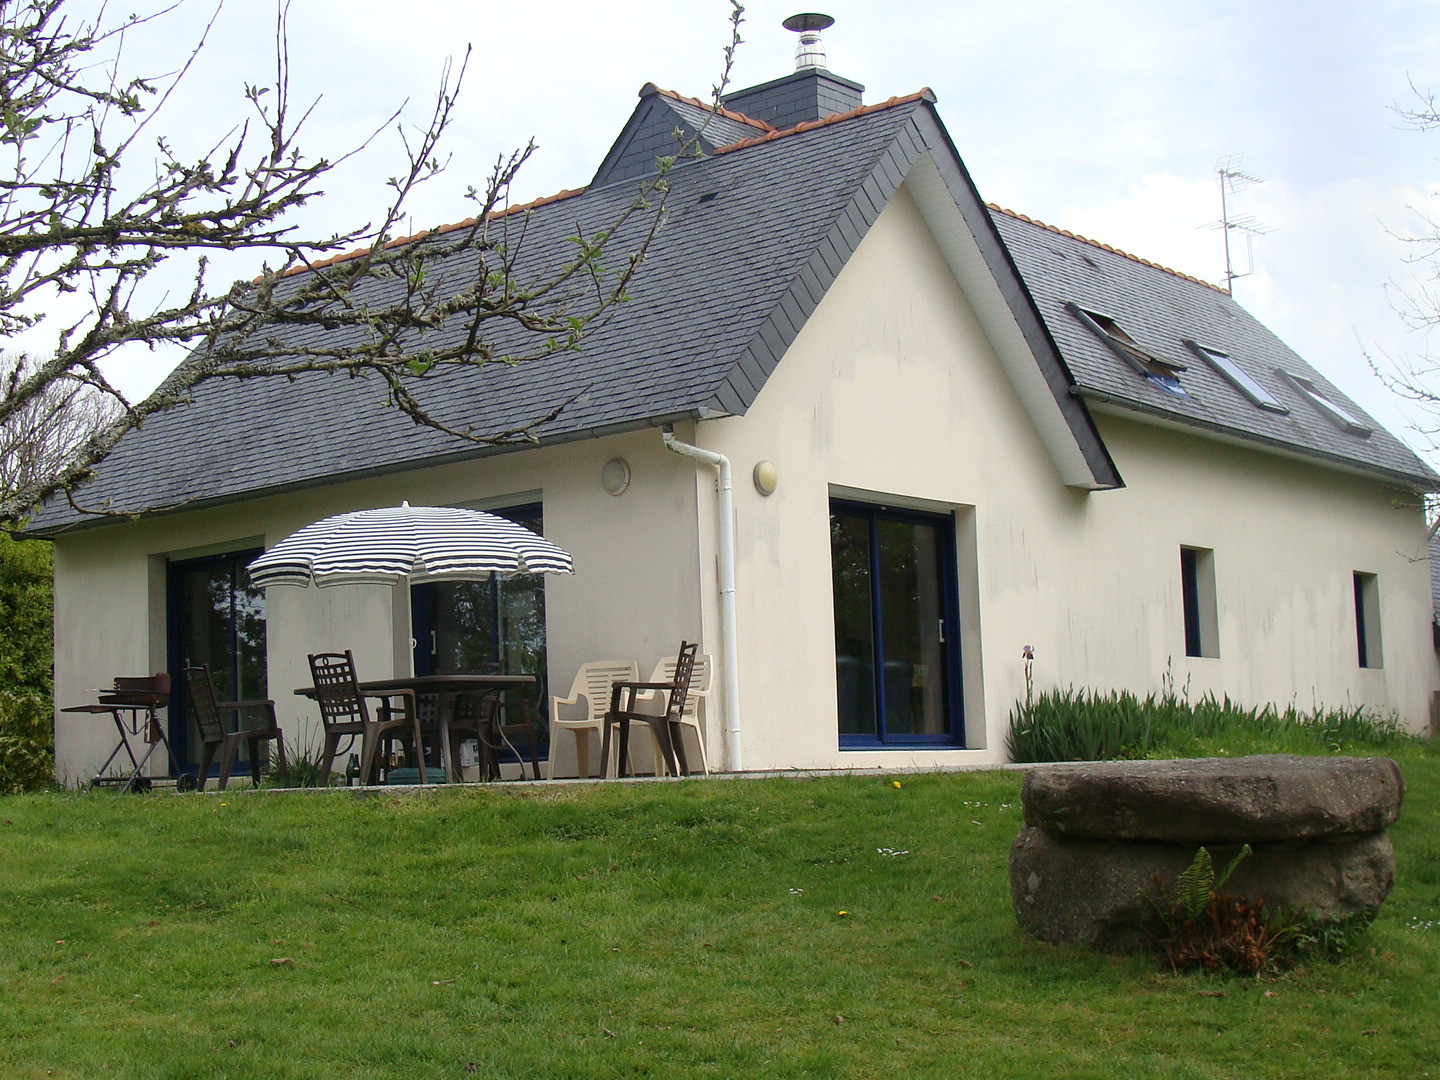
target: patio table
448 689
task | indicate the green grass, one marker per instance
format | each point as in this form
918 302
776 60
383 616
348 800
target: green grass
687 929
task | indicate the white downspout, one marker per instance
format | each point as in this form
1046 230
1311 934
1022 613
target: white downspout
731 673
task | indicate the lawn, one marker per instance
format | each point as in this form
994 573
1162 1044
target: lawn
834 927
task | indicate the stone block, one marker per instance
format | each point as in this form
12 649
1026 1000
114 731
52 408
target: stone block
1100 893
1271 797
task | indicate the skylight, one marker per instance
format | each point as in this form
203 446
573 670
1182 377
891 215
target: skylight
1238 377
1341 417
1163 373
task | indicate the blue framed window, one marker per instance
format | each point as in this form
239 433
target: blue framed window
897 640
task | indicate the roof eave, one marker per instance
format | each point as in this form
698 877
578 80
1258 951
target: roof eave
100 519
1106 401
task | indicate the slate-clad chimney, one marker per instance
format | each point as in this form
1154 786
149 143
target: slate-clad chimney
811 93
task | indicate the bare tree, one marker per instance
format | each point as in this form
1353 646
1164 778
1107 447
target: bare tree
42 436
1416 377
72 225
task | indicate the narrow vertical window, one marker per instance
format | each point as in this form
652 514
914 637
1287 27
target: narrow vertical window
1197 591
1367 620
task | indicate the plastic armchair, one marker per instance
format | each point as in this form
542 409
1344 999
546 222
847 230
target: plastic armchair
699 692
591 690
664 727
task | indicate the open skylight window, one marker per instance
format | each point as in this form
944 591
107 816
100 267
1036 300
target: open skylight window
1238 377
1341 417
1164 373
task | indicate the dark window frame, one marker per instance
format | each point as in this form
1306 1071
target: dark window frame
1199 602
1369 647
422 602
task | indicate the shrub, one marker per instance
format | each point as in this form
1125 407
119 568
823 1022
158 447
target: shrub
27 742
1079 725
1212 931
1088 725
27 734
26 607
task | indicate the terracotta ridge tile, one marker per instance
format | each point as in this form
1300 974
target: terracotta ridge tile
439 230
833 118
721 110
1106 247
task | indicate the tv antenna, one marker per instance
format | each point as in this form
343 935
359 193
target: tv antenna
1233 179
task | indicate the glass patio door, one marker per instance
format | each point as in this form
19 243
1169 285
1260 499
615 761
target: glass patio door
896 627
479 627
216 618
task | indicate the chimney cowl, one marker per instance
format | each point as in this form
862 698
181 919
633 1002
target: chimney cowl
810 51
810 92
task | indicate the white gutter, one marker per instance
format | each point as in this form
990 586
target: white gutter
729 645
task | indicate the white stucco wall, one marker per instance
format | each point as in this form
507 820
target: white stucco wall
892 394
892 390
634 595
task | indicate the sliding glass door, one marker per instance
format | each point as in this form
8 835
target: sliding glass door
897 657
477 627
216 618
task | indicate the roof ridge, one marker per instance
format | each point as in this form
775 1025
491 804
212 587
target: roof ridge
1105 247
770 134
718 110
924 93
439 230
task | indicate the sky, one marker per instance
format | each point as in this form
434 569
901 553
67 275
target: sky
1106 118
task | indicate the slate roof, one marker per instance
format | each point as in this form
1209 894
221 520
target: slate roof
753 235
1162 310
738 230
659 127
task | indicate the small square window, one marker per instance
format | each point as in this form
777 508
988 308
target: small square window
1238 377
1367 620
1341 417
1197 592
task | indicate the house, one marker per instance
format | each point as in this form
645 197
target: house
954 432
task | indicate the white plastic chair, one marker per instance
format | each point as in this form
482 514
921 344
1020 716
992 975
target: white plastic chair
592 689
699 692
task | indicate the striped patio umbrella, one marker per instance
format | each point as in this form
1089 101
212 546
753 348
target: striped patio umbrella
400 543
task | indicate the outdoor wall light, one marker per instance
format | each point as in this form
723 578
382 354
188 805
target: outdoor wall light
615 476
766 477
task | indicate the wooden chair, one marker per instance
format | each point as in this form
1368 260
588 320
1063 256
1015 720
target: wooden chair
343 712
592 689
665 726
209 718
699 692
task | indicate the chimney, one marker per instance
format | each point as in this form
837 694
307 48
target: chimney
809 52
811 93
